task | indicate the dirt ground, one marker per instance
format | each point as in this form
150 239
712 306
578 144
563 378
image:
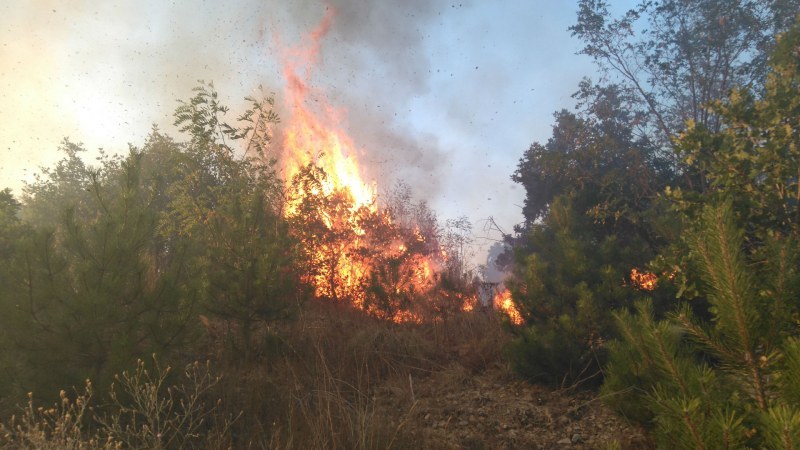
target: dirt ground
455 409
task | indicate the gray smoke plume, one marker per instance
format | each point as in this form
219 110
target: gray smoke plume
373 64
437 93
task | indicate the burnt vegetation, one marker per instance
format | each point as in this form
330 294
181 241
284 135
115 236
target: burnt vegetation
199 293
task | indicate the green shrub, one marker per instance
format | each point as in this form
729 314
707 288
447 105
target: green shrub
728 382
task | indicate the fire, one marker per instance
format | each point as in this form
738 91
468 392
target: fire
354 251
335 195
645 281
503 302
469 303
313 136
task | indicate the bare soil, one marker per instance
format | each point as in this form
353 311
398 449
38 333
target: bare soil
456 409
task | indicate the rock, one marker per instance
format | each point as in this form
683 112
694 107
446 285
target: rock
577 438
564 441
427 417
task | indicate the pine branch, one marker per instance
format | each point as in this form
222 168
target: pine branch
732 292
625 325
668 360
703 336
693 429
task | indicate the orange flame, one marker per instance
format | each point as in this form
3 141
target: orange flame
645 281
354 243
314 136
503 302
469 303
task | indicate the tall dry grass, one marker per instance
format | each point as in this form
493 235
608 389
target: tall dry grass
321 382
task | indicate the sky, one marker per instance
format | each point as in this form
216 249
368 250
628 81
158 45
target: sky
443 95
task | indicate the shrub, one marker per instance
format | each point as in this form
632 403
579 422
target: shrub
729 382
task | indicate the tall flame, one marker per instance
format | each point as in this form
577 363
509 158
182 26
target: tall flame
378 260
355 252
314 136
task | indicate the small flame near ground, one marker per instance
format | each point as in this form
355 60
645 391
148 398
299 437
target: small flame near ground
645 281
356 252
503 302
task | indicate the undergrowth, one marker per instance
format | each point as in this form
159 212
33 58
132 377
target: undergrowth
314 384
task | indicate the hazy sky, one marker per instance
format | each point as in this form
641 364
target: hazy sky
445 95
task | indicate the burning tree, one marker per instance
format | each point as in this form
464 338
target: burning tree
381 259
361 254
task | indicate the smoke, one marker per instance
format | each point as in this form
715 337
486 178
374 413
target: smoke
372 64
103 72
444 95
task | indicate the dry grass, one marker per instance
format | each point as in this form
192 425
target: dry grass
143 411
321 388
321 382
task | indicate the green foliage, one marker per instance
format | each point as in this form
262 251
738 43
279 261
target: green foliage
57 189
9 217
554 353
752 162
12 232
230 209
85 296
754 159
109 263
738 260
673 57
596 155
202 115
722 383
594 208
591 217
566 292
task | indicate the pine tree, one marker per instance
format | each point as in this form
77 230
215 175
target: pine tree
86 297
726 382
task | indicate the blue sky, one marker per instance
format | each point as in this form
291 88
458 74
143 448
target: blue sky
445 95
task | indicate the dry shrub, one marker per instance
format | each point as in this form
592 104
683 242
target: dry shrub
57 427
479 340
334 371
335 378
143 411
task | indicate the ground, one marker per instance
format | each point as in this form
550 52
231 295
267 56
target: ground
457 409
346 380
